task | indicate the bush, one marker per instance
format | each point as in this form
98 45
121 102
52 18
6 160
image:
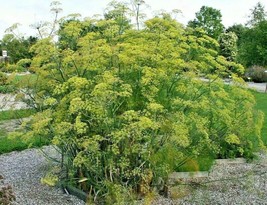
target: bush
14 68
2 65
25 63
5 87
127 114
257 74
3 78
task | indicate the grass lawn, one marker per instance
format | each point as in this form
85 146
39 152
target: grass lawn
261 99
15 79
25 78
15 114
9 144
2 133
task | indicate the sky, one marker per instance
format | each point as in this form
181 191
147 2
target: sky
28 12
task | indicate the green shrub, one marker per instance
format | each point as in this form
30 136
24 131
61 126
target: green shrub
10 68
2 65
201 163
127 109
5 87
25 63
257 74
3 78
15 82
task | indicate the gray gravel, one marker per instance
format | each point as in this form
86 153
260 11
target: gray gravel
229 182
8 101
261 87
24 170
12 125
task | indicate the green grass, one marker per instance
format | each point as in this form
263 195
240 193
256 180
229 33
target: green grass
26 78
261 99
15 114
7 88
14 80
2 133
16 143
9 144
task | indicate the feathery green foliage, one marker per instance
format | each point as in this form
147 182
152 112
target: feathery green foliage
127 108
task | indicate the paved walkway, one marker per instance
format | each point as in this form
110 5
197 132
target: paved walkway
8 102
261 87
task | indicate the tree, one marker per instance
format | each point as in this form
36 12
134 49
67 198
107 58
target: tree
252 39
209 19
239 30
228 45
258 14
253 46
17 48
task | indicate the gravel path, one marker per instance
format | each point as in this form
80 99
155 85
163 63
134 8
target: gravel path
229 182
23 171
8 101
12 125
261 87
